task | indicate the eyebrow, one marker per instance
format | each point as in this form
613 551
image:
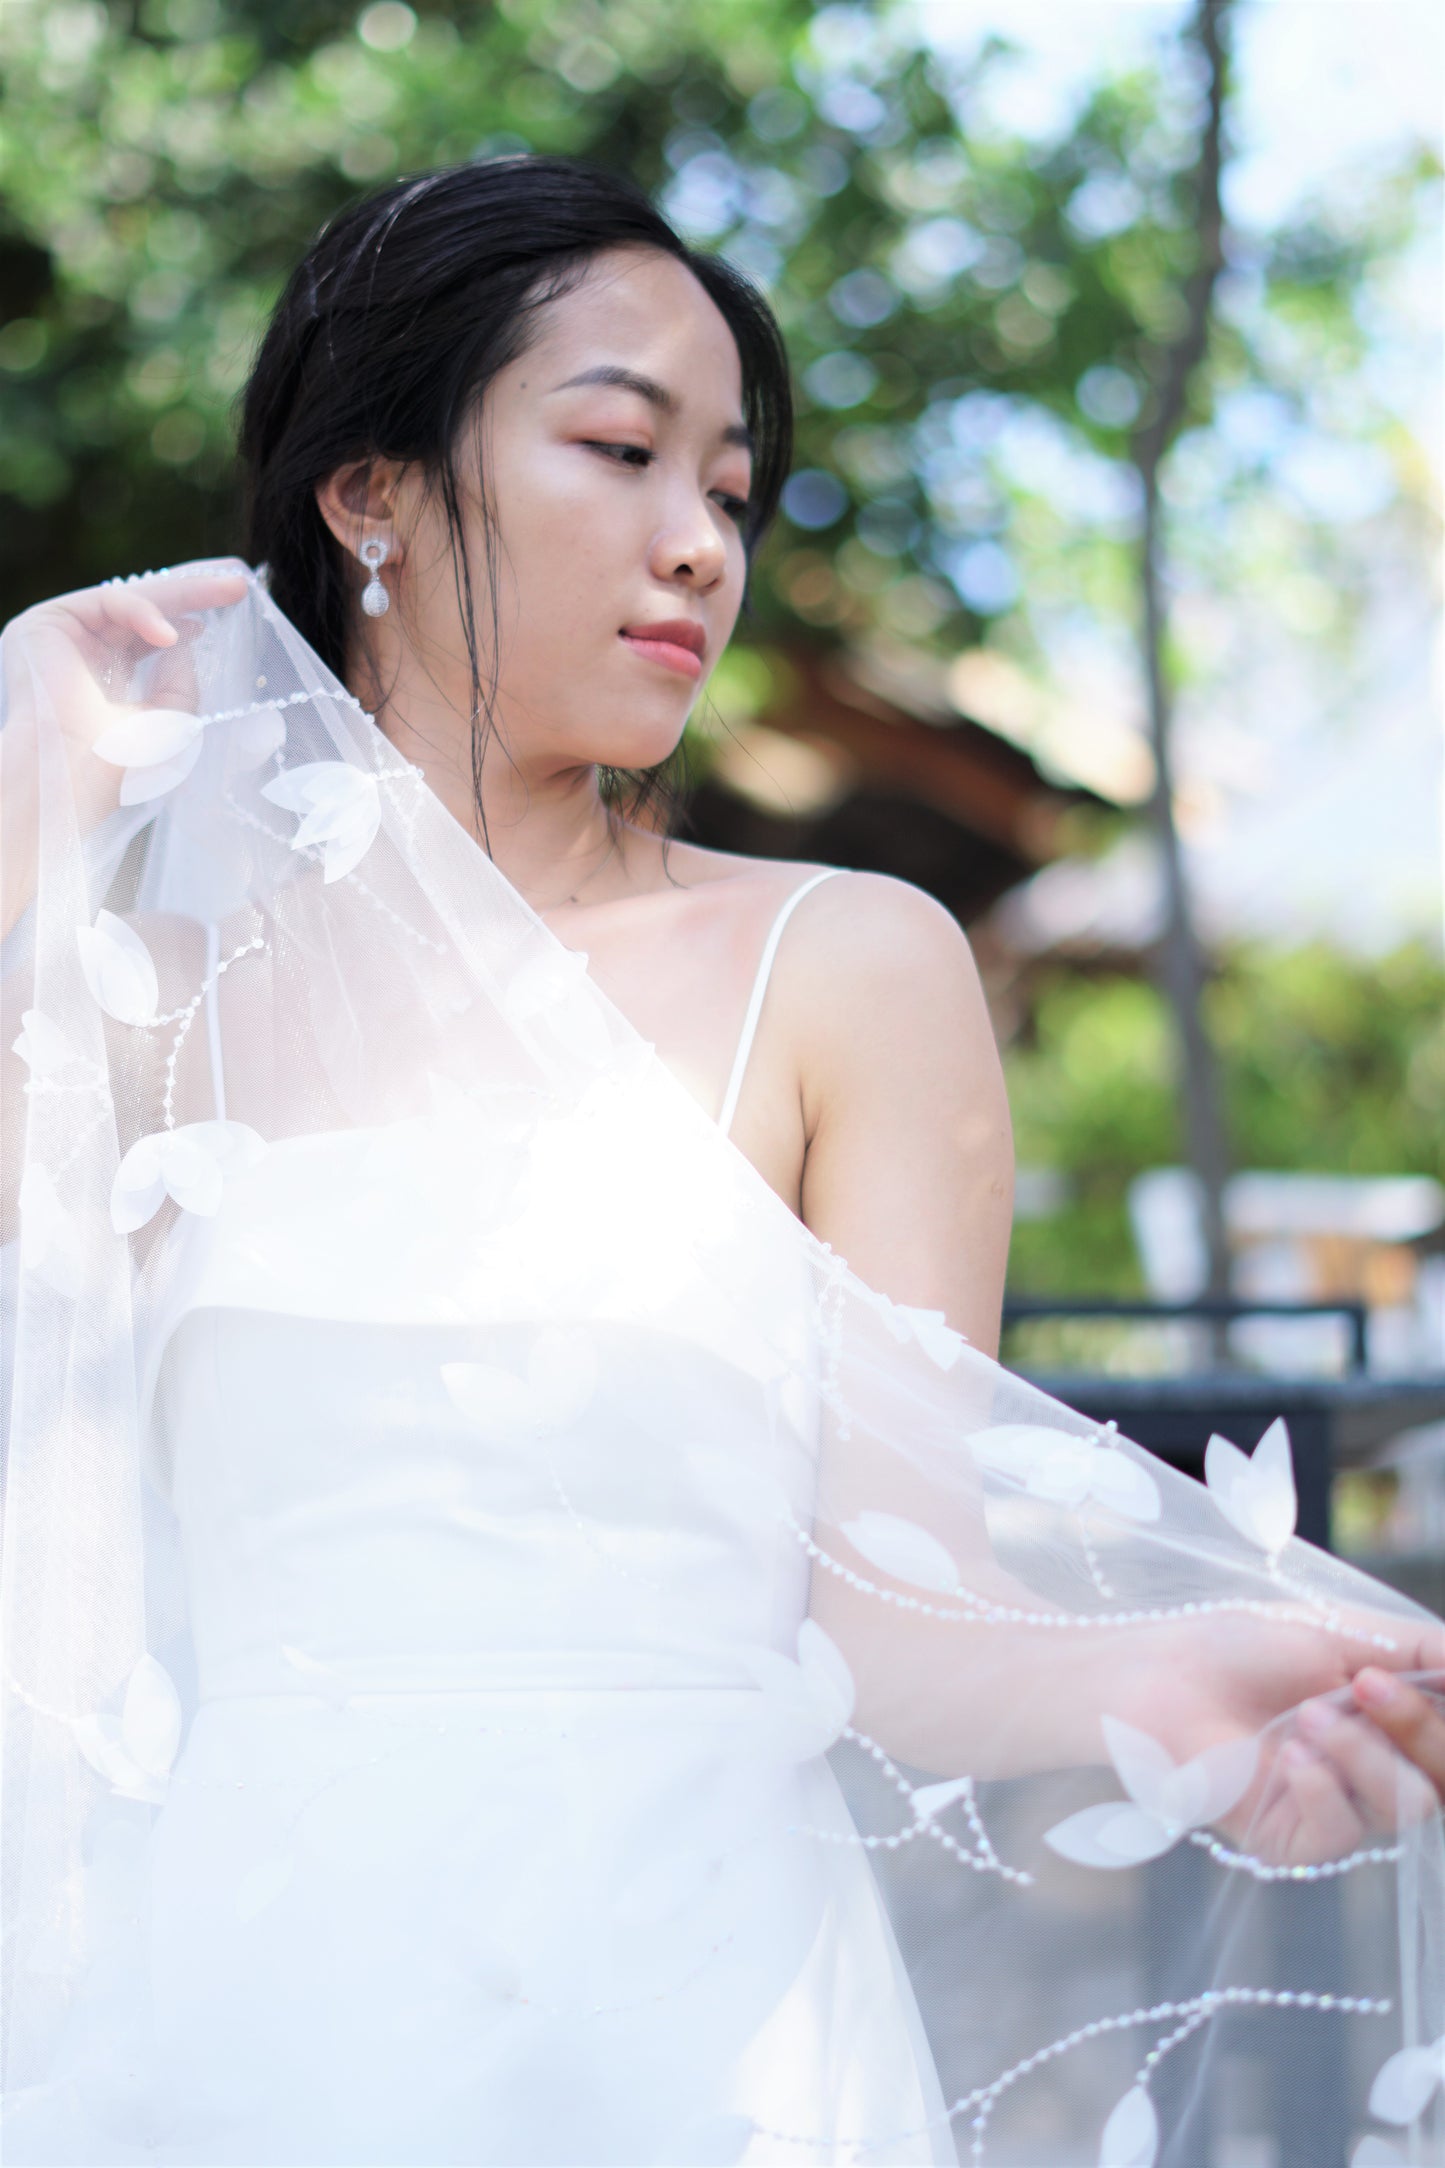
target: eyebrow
648 388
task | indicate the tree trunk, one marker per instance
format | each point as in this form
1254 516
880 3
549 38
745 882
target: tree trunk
1182 962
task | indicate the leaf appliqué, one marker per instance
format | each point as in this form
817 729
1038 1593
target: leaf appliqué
1166 1799
1255 1492
1066 1470
189 1164
1131 2135
903 1550
340 809
119 969
135 1750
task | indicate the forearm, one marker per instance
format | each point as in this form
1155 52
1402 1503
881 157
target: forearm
1000 1699
93 786
19 823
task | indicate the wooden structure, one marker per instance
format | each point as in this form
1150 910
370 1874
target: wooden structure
872 767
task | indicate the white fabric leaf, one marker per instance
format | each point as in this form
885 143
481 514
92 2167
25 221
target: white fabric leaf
929 1328
148 737
903 1550
1120 1485
1406 2084
134 1751
189 1163
1256 1494
151 1718
560 1381
119 969
1213 1782
1111 1836
1131 2135
340 808
1145 1767
555 990
1180 1796
804 1705
542 982
1011 1449
931 1799
1067 1471
140 785
51 1244
42 1045
139 1188
1373 2152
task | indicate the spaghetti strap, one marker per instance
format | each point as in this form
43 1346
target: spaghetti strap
213 1016
755 1003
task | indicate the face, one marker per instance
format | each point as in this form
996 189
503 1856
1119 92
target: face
616 512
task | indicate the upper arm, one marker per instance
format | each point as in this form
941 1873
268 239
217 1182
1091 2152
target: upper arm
908 1172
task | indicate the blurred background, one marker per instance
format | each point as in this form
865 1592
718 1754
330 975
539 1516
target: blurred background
1104 603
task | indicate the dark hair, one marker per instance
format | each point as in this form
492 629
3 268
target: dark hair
404 307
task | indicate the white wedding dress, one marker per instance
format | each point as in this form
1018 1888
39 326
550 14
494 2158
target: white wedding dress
464 1858
510 1650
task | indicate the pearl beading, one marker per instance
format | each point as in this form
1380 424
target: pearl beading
185 1017
1197 2011
1378 1855
830 1307
984 1861
991 1614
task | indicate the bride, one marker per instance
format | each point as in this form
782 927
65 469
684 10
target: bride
535 1627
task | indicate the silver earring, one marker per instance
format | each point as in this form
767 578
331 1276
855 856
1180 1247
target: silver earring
374 598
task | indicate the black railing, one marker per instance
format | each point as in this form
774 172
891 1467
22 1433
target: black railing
1200 1308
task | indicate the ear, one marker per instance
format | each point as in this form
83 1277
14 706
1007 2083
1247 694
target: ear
358 504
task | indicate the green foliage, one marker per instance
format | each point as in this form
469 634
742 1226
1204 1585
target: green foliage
166 161
1330 1063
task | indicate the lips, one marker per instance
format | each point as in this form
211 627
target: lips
677 643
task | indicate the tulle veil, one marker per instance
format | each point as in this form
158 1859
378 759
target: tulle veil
1108 1962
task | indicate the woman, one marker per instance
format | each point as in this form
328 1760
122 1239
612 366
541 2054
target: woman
515 1650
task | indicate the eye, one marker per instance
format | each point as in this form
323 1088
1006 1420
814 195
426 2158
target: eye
626 452
638 456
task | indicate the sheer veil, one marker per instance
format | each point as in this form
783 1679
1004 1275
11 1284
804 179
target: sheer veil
1044 1687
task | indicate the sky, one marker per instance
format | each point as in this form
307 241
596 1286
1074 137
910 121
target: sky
1342 830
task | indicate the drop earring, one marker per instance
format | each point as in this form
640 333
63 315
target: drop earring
374 598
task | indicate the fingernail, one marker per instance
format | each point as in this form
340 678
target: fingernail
1376 1689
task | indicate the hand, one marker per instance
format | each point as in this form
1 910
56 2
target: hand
57 658
1411 1719
1352 1753
70 640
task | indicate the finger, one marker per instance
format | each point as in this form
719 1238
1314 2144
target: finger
1329 1825
134 614
1406 1716
175 593
1386 1790
199 590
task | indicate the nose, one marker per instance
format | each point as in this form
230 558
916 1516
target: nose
689 542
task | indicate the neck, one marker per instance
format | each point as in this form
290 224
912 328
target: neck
546 826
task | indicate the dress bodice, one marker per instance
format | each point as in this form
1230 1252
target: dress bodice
425 1419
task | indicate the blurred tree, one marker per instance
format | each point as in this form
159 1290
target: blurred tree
992 331
1170 365
1330 1063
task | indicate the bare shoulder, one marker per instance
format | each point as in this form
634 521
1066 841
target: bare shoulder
908 1171
872 956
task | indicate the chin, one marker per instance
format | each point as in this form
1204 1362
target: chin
634 748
